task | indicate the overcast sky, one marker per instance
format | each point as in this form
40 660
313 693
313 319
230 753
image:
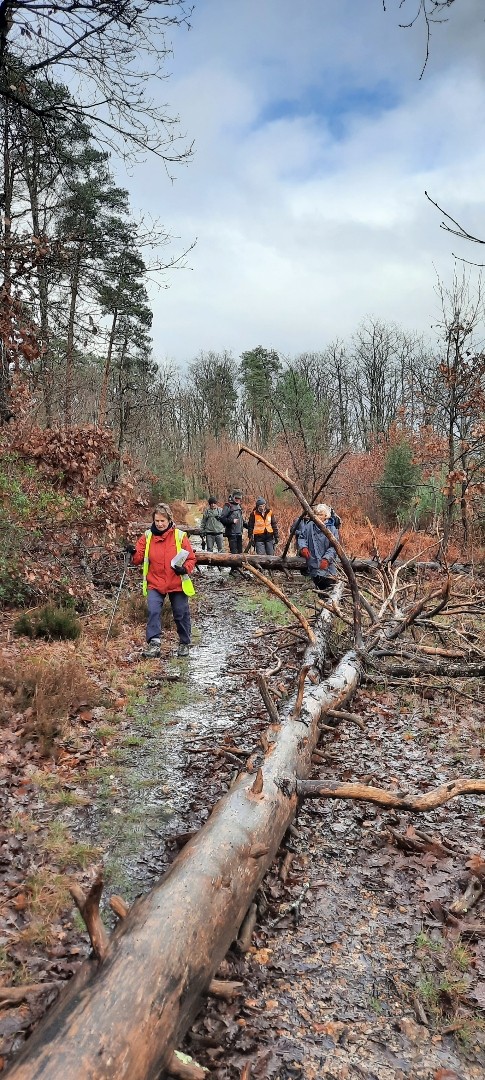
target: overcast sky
314 142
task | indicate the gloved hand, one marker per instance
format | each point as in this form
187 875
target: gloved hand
130 549
305 552
324 564
179 570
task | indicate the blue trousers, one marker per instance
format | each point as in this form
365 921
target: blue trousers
180 611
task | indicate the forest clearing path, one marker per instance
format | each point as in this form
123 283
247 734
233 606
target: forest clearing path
362 976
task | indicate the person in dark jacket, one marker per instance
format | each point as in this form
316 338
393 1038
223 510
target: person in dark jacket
262 528
211 525
317 549
167 558
232 518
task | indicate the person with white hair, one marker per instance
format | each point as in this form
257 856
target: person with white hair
317 549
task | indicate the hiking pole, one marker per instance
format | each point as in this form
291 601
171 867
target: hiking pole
118 594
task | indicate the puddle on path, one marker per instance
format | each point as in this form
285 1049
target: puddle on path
148 794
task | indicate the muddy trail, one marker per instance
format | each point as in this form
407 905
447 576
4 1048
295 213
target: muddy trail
355 969
186 738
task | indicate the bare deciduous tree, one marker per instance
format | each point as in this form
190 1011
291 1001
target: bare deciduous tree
113 53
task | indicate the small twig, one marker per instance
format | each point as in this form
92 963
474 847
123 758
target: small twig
301 689
281 595
275 669
295 906
13 995
119 906
470 897
268 700
223 988
341 714
88 906
246 930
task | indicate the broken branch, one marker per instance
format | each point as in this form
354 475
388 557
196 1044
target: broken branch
88 906
393 799
330 536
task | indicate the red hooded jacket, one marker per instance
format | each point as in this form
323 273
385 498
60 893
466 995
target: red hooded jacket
161 576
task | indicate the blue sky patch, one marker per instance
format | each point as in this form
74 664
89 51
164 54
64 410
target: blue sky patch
337 109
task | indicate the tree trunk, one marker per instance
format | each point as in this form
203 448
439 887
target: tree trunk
6 290
295 562
70 345
122 1017
268 562
103 393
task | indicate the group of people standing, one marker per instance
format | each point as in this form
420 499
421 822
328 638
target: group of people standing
167 558
262 529
228 521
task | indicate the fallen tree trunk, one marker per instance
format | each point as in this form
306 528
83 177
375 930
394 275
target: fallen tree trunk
268 562
123 1016
408 671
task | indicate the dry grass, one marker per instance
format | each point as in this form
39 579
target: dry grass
133 609
46 690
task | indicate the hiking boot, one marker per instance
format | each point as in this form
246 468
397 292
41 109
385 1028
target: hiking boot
183 650
152 648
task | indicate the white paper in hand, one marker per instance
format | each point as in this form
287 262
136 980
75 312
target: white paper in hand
180 558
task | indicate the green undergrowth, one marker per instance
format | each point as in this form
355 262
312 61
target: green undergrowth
50 622
444 985
268 607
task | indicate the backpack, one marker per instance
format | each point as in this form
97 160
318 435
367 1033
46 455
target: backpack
334 518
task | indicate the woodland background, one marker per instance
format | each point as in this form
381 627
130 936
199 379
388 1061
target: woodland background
86 408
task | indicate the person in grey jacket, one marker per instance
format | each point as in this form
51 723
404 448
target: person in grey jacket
211 525
317 549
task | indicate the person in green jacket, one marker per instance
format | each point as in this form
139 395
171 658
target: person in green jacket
211 525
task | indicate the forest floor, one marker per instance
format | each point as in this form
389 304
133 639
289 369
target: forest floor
356 967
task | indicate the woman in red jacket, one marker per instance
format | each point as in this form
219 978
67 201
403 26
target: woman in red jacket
165 573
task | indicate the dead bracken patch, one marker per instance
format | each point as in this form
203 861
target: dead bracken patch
45 691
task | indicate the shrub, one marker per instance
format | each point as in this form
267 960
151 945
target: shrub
49 622
399 481
171 486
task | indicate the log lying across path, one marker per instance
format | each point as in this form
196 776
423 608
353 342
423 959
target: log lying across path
122 1017
267 562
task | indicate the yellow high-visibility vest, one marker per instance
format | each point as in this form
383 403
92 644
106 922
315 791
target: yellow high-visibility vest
187 586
